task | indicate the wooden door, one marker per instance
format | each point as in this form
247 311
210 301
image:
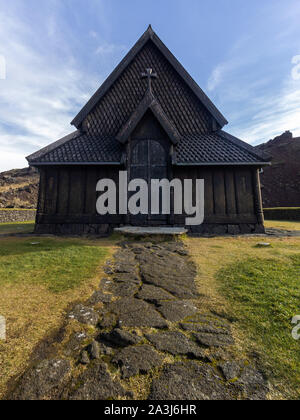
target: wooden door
149 160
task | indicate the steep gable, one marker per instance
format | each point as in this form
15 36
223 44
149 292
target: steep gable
183 101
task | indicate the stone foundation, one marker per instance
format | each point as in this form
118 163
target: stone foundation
106 229
73 229
225 229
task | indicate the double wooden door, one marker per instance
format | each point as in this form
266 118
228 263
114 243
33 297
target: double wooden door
149 160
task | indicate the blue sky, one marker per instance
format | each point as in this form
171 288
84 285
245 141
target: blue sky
55 53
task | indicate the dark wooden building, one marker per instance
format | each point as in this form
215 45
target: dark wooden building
163 126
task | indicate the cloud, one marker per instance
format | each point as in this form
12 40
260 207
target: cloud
272 114
46 83
296 68
107 48
257 90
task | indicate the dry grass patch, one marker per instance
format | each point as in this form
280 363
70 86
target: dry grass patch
37 284
259 287
282 225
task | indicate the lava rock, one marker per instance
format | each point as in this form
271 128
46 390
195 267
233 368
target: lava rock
176 343
188 381
96 384
214 340
84 315
121 338
177 310
137 359
44 381
133 312
154 294
99 297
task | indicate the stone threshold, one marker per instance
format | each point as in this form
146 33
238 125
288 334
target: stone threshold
155 230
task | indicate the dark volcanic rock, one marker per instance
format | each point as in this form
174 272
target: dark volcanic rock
124 289
99 297
253 384
84 358
108 320
211 328
97 384
136 313
154 294
177 310
43 382
137 359
74 345
84 315
188 381
94 350
176 343
230 370
178 281
127 278
120 338
214 340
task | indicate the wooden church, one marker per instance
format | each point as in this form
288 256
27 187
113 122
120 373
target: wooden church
149 118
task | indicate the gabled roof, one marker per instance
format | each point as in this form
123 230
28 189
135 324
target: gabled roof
147 36
217 148
148 102
185 113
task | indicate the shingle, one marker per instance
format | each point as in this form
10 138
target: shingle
85 148
193 148
180 104
211 148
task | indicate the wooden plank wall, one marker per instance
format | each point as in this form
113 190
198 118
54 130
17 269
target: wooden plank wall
229 193
68 194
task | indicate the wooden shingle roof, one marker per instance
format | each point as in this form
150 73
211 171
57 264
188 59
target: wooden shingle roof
190 119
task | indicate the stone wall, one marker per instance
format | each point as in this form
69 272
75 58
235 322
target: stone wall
10 216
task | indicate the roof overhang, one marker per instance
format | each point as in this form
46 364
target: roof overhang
75 163
258 164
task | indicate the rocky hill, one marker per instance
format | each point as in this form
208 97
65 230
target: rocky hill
281 181
19 188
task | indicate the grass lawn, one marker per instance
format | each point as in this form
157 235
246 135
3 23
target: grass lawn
39 278
260 288
17 227
282 224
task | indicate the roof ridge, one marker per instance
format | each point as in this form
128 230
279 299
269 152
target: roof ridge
149 34
54 145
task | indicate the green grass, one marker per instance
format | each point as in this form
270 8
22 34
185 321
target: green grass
57 264
264 294
17 227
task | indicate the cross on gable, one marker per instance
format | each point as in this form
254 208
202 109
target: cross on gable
149 75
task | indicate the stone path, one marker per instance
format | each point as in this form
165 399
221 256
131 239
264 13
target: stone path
144 319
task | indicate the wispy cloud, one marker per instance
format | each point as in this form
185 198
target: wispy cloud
261 93
42 91
273 114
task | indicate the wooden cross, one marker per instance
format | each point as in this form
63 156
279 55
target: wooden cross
149 75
